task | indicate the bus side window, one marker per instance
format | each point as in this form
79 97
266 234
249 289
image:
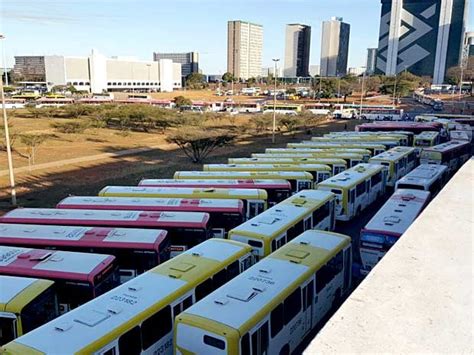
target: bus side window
220 278
130 342
188 302
203 289
360 189
245 344
352 196
292 305
276 320
154 328
274 246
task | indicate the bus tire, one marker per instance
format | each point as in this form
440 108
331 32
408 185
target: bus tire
285 350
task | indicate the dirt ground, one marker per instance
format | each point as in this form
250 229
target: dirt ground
45 188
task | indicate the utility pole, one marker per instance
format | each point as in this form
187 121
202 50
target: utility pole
7 141
362 94
275 60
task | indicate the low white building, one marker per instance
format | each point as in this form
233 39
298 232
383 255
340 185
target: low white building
97 73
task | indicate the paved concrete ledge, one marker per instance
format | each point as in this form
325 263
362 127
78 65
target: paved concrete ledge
419 298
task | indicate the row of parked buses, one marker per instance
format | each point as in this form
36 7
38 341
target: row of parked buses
239 258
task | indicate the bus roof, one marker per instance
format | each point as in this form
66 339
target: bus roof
276 219
261 175
55 264
92 237
246 298
106 218
183 192
266 167
17 292
218 183
287 160
427 135
392 155
91 326
334 144
447 146
151 204
316 150
423 174
295 153
398 213
352 176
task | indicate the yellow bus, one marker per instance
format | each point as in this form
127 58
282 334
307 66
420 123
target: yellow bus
425 139
351 159
398 161
275 304
375 148
355 189
320 172
388 142
404 138
337 165
326 149
283 109
255 200
25 304
137 317
299 180
309 209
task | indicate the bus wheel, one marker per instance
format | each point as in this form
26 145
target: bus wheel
285 350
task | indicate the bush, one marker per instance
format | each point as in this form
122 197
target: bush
291 123
77 110
70 127
262 122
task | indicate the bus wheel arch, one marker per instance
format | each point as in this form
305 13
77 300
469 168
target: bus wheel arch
285 350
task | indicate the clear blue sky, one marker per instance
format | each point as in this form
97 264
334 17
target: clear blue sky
139 27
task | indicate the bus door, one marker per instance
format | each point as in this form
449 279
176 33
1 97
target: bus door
308 297
255 207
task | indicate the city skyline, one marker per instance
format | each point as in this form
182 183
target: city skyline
77 28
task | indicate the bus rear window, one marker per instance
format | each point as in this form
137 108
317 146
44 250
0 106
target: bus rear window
335 191
214 342
255 243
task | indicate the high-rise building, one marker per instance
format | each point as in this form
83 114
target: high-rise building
189 61
29 68
244 49
469 38
371 60
297 48
423 37
334 47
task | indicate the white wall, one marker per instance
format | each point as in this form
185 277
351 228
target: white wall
98 72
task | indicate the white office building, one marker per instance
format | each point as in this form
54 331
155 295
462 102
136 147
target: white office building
97 73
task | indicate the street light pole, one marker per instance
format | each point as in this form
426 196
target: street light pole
362 94
275 60
7 141
4 61
394 90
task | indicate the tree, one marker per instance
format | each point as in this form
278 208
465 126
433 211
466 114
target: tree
32 142
77 110
251 81
291 123
262 122
195 81
453 75
228 77
181 101
197 144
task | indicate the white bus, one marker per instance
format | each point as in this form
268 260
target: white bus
320 172
299 180
355 189
425 177
453 154
388 225
137 317
352 159
255 200
274 305
309 209
398 161
425 139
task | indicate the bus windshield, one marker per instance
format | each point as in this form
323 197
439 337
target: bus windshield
40 311
377 240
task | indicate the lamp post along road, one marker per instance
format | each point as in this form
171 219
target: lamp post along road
362 94
7 142
274 100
